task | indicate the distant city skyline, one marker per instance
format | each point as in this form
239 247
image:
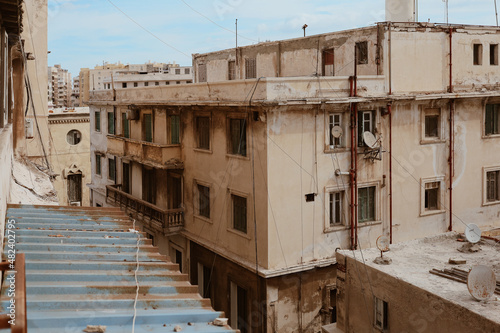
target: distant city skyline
86 33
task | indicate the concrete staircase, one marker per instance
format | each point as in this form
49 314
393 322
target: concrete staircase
80 270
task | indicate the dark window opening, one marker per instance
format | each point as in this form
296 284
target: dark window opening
328 62
111 169
74 137
126 178
492 119
432 126
494 54
203 132
478 54
336 208
97 121
178 259
492 186
250 68
432 196
111 123
366 204
148 127
98 166
175 128
174 191
362 53
310 197
149 185
204 201
237 137
125 125
239 213
75 188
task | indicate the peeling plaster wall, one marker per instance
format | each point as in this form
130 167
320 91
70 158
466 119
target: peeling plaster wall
410 309
297 57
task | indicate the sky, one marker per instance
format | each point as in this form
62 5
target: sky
85 33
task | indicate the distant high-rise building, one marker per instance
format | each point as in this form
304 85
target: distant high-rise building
60 87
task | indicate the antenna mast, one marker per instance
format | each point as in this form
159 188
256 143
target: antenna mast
446 10
496 11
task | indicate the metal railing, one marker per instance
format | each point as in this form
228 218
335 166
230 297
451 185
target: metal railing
18 316
167 218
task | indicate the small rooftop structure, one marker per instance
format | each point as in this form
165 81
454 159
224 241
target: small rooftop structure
411 265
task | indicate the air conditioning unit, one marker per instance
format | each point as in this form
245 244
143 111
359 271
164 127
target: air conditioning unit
133 114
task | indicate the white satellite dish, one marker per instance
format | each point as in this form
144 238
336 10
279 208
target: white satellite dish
473 233
337 132
383 243
370 140
481 282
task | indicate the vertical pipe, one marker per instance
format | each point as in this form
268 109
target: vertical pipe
351 174
356 176
390 60
389 108
451 60
451 159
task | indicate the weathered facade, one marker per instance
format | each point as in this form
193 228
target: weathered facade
60 87
70 154
253 176
405 297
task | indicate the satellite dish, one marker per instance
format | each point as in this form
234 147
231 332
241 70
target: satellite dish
481 282
370 140
473 233
383 243
337 132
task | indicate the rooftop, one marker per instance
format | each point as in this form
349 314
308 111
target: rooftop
412 261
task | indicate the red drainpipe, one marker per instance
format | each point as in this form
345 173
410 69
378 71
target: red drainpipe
351 173
451 161
355 144
389 109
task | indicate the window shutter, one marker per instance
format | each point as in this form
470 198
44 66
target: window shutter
175 129
488 121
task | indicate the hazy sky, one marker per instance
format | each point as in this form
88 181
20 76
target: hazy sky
84 33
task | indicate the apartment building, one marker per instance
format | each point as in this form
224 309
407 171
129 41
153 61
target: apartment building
23 53
282 152
60 87
112 76
70 154
75 95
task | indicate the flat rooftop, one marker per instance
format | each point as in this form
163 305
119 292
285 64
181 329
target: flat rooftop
412 261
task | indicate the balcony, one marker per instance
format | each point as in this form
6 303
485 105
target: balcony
168 221
157 155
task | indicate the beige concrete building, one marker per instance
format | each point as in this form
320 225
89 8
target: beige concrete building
75 95
405 297
60 87
254 175
21 21
70 154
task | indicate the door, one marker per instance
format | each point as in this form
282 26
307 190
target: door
174 187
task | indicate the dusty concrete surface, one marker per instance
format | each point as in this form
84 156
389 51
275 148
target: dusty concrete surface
31 185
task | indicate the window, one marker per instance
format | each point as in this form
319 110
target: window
74 137
98 165
148 184
177 71
250 68
366 204
366 123
203 132
125 125
174 190
381 314
97 121
111 123
231 70
175 127
239 213
157 83
492 186
126 177
147 127
478 54
328 63
334 119
178 259
75 188
124 85
146 84
432 123
204 280
203 201
136 84
492 119
336 205
202 73
167 83
362 53
432 196
494 54
151 237
237 137
111 169
177 82
239 308
187 71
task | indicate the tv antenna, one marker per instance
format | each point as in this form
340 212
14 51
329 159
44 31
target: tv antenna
446 10
374 147
473 233
383 245
481 282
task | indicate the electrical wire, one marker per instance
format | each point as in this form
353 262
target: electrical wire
135 277
148 31
220 26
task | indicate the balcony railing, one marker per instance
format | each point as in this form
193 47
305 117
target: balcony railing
158 155
167 221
